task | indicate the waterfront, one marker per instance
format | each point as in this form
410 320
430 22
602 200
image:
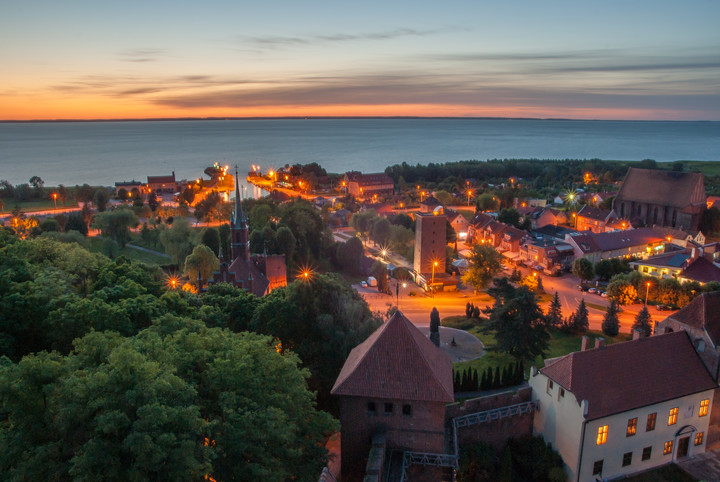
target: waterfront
104 152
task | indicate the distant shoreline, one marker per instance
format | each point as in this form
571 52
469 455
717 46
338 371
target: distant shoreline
183 119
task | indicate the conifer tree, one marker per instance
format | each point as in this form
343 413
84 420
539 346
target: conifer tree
554 315
464 382
476 313
474 386
496 380
483 381
488 378
540 287
643 322
505 378
611 323
581 322
468 310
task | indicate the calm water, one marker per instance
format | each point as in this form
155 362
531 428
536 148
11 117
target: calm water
105 152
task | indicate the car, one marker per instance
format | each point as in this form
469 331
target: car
664 307
582 288
592 290
363 284
603 294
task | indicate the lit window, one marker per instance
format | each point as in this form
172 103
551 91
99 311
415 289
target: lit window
407 410
388 408
627 459
672 418
704 408
597 467
651 422
668 447
699 438
549 386
631 427
602 435
647 453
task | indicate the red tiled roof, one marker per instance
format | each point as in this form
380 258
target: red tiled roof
481 219
161 179
665 188
590 242
702 313
594 213
397 362
701 270
244 270
633 374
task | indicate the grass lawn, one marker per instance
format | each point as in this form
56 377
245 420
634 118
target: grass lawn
96 246
560 344
37 205
666 473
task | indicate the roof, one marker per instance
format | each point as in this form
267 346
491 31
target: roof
665 188
590 242
431 201
594 213
701 270
369 179
557 232
397 362
162 179
246 271
672 259
630 375
702 313
481 219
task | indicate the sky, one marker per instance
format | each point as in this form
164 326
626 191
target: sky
72 59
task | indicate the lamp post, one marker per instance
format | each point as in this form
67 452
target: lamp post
469 193
432 281
54 196
647 290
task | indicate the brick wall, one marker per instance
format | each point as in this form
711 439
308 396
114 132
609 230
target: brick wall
496 432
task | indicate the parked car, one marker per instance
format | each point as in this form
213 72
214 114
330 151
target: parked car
582 288
664 308
363 284
603 294
592 290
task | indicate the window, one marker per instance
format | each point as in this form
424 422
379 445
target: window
647 453
407 410
597 467
668 447
704 408
651 422
388 407
371 407
672 418
561 393
631 427
699 438
627 459
549 386
602 435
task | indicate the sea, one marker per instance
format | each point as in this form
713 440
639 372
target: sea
102 152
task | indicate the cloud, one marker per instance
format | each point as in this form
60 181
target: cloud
140 55
284 41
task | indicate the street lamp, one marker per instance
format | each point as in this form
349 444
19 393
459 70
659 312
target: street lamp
54 196
384 253
422 193
432 281
647 290
469 193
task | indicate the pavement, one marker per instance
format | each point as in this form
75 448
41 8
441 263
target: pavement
705 466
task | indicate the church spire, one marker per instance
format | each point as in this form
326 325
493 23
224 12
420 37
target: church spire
238 215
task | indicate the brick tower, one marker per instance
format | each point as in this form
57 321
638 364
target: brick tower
239 245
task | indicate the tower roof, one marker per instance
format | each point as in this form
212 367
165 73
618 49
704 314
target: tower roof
238 215
397 362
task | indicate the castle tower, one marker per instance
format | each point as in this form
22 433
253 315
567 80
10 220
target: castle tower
430 242
239 244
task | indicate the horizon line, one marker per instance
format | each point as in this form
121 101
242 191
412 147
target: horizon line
216 118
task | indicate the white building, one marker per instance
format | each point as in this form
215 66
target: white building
624 408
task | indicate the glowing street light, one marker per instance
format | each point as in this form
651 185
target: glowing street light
469 193
54 196
432 282
647 290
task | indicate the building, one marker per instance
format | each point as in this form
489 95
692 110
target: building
430 242
477 224
259 274
624 408
429 204
663 266
459 223
663 198
546 253
162 184
546 217
394 385
642 242
365 185
594 219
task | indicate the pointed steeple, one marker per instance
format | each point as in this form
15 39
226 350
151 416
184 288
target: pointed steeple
238 215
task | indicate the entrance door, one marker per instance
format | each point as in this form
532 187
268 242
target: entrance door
683 444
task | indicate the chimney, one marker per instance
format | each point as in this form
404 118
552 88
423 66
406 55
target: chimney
599 342
636 335
585 343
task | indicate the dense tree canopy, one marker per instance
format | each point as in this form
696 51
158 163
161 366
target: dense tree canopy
485 264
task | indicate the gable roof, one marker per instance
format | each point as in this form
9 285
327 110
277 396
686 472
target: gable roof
701 270
595 213
246 271
162 179
481 219
590 242
702 313
397 362
630 375
665 188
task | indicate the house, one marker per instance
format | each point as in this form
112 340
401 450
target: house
619 409
546 217
663 266
365 185
640 242
664 198
594 219
459 223
552 231
162 184
547 253
511 239
393 386
429 204
701 270
492 233
259 274
477 224
700 319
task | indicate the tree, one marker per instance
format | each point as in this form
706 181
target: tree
285 242
520 326
211 239
583 269
486 202
579 322
116 224
176 239
611 323
450 234
622 291
101 198
38 184
201 261
509 216
435 326
643 322
379 271
381 231
75 222
554 315
485 264
153 201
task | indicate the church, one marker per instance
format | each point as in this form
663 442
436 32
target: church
259 274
